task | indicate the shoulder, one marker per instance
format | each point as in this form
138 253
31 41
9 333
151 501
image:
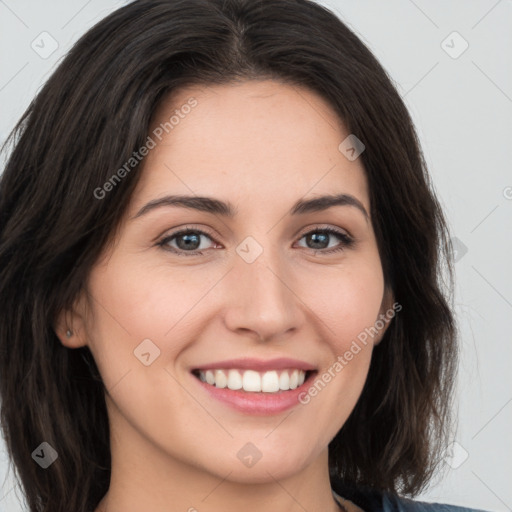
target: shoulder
372 500
393 503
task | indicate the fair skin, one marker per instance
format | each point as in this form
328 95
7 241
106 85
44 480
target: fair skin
261 146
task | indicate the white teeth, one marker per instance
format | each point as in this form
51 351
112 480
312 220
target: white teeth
270 382
294 379
252 381
284 381
234 380
221 381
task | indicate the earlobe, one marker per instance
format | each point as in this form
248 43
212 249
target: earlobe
68 332
69 327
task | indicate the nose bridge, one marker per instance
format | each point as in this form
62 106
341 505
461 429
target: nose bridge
263 300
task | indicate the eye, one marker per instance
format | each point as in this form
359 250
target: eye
319 237
187 242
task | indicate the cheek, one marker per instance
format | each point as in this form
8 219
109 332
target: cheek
133 302
347 300
146 301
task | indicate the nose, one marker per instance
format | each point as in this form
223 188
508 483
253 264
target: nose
262 300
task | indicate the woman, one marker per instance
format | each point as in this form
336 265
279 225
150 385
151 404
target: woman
221 268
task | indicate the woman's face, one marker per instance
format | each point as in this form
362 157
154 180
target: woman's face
262 292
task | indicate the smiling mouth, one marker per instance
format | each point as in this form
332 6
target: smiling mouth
252 381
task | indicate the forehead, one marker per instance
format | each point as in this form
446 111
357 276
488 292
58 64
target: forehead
256 142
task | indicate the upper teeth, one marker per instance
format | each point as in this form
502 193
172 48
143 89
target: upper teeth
250 380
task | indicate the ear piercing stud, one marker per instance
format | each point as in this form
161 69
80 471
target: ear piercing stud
68 333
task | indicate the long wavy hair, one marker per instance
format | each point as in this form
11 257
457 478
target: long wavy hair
85 123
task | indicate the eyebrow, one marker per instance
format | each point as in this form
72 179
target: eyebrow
226 209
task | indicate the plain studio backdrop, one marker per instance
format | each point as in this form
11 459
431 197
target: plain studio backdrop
452 64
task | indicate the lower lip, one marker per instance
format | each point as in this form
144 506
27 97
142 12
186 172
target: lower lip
257 403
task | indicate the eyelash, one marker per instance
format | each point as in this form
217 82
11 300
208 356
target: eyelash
346 241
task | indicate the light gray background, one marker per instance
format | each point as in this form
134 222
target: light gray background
462 107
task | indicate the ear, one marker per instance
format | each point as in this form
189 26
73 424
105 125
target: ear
69 325
386 314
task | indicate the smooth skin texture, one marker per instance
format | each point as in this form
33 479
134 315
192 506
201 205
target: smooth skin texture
260 145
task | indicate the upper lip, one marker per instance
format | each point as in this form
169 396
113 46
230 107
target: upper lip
247 363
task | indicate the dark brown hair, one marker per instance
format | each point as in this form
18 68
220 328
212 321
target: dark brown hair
86 122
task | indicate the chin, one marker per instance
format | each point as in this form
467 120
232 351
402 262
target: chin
249 465
262 472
